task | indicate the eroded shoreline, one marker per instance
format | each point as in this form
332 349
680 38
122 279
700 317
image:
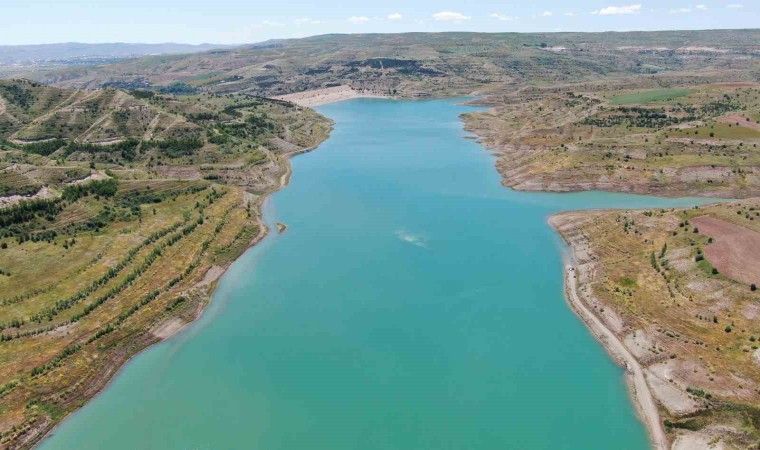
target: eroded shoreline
578 272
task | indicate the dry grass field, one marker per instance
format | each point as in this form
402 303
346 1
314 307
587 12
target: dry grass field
701 139
659 279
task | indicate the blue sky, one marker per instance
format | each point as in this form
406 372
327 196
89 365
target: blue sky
241 21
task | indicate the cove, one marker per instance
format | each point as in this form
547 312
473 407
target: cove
412 303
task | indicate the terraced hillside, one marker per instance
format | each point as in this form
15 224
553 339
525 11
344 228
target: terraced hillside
34 113
429 64
117 216
672 138
679 288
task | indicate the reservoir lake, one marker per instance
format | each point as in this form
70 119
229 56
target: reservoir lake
412 303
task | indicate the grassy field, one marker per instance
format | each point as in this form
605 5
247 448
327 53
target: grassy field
133 205
643 97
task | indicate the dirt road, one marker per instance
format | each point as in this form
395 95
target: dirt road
640 390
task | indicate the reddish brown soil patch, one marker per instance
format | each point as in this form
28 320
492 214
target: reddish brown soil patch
740 120
735 251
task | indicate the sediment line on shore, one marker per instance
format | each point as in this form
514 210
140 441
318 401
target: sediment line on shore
579 274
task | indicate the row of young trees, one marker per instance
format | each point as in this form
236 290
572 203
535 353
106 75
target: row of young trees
72 300
151 296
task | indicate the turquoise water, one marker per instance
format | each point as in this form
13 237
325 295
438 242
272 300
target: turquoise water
413 303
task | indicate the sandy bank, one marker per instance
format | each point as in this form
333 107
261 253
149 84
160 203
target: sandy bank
324 96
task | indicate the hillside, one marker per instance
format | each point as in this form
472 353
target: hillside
428 64
117 216
678 289
81 52
670 136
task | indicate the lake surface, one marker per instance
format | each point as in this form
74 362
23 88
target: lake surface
413 303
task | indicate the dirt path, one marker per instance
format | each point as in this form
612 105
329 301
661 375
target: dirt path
148 135
639 389
82 137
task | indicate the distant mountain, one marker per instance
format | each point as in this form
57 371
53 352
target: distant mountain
425 64
29 54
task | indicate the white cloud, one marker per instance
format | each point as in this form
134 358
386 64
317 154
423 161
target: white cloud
734 6
358 19
701 7
306 21
546 14
501 16
269 23
395 16
569 14
680 10
450 15
614 10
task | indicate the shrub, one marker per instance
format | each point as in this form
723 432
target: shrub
106 188
44 148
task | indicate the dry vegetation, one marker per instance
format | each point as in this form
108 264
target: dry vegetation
118 215
675 139
426 64
138 194
653 277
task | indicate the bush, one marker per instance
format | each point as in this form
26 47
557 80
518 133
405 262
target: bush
44 148
752 287
126 148
27 210
106 188
175 148
142 93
